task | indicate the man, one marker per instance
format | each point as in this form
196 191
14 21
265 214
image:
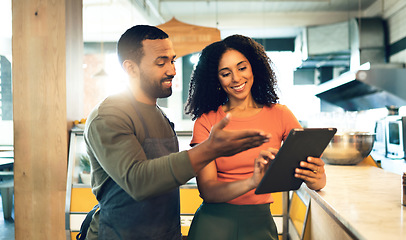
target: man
133 149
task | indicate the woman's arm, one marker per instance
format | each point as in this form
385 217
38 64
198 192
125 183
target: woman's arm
214 191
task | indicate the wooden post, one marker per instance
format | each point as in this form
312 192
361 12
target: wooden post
39 75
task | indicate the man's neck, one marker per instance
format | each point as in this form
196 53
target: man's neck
140 96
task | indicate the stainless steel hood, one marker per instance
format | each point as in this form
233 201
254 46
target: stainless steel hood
383 84
378 87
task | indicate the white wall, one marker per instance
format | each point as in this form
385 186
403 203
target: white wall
300 99
6 133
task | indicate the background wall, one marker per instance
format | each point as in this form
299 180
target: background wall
397 34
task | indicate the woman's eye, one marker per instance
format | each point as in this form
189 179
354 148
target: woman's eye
225 75
243 68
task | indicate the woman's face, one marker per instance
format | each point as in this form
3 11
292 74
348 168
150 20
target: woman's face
235 75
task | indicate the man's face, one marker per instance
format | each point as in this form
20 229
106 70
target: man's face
157 69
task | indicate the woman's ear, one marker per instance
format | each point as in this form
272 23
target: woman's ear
131 68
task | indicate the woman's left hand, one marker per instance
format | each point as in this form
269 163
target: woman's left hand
314 174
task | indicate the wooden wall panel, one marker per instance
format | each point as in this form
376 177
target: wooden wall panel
40 117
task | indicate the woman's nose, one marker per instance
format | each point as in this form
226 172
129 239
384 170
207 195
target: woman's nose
236 76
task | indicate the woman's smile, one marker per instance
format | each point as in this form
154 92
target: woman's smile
239 88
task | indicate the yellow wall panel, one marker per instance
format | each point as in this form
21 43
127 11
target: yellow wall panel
297 213
189 200
73 235
184 230
82 200
277 205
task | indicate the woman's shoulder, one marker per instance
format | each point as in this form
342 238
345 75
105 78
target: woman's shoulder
277 107
213 114
283 113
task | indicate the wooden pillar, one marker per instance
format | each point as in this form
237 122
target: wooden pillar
40 113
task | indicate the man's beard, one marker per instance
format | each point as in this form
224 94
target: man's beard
155 89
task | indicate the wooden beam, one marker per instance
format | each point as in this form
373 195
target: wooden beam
40 116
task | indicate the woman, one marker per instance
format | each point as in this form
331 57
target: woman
235 76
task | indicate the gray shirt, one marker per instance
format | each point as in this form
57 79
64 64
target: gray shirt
113 137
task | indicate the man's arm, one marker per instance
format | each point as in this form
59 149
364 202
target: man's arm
121 156
116 153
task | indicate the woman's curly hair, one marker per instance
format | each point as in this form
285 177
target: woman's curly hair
205 92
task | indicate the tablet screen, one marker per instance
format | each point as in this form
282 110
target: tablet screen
300 144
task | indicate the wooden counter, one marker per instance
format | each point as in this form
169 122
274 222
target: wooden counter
358 202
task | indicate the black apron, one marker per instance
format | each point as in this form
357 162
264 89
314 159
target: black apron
122 217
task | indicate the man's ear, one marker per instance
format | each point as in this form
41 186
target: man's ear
131 68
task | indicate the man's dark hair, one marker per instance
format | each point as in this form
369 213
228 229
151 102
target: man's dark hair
129 45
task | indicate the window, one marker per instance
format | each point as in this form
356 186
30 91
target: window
6 103
6 100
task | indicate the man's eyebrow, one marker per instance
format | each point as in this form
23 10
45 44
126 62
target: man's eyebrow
165 57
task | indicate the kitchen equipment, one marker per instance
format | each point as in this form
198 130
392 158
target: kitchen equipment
395 130
380 86
348 148
390 133
380 137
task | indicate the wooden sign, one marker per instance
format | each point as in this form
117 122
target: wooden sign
188 38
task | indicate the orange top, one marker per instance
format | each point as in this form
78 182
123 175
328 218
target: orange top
277 120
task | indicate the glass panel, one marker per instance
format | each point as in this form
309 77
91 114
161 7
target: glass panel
6 104
79 160
6 118
394 133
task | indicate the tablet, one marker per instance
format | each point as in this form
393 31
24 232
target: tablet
300 144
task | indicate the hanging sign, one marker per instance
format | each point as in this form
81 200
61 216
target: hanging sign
188 38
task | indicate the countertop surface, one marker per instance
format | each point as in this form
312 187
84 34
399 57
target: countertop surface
365 199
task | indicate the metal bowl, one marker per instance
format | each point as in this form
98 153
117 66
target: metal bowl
348 148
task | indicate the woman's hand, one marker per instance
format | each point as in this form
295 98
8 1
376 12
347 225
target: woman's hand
212 190
260 165
314 175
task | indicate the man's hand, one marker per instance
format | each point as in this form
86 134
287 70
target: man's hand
228 143
225 143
